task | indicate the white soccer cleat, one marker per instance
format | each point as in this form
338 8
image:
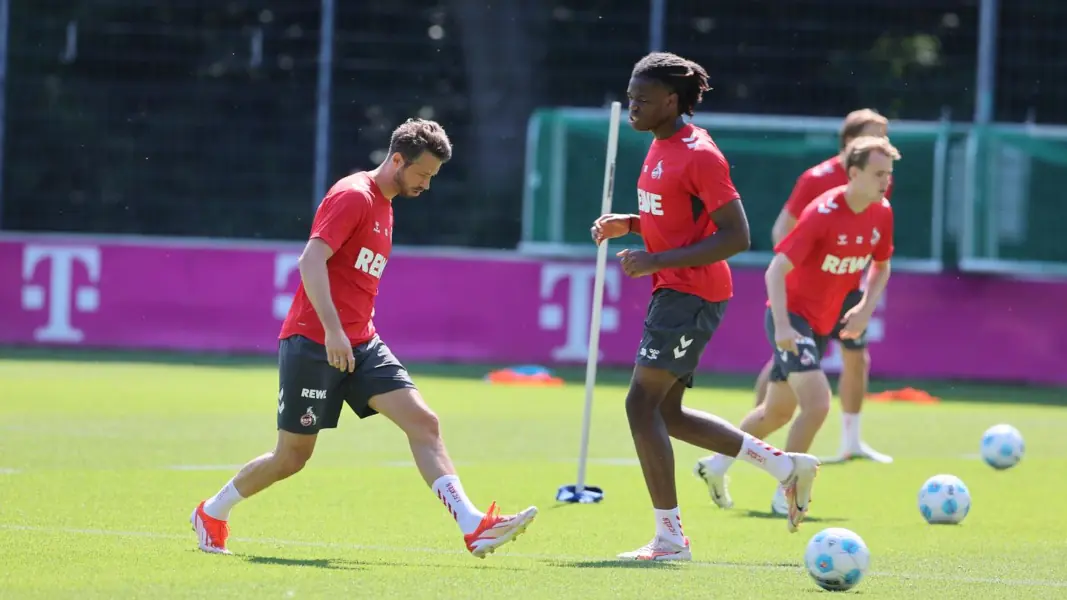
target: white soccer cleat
659 549
716 483
798 487
495 530
779 504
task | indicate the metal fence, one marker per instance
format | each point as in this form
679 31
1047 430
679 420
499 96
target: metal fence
192 118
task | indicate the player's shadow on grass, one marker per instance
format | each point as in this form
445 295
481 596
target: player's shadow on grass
766 514
612 564
318 563
340 564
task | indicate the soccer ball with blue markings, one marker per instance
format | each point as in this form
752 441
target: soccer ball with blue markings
837 559
944 500
1002 446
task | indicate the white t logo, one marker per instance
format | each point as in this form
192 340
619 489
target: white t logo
58 293
284 265
576 312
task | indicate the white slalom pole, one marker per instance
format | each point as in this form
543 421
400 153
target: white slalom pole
598 295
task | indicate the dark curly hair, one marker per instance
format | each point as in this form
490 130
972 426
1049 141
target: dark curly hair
684 77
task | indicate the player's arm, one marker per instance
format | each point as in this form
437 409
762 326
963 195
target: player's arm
877 280
316 282
799 198
710 174
794 249
775 279
732 237
782 226
880 269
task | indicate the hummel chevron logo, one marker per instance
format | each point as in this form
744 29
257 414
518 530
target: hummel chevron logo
680 349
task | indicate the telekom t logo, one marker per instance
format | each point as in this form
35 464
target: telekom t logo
575 314
284 265
59 293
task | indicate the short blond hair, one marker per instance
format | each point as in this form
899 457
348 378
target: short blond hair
856 121
859 150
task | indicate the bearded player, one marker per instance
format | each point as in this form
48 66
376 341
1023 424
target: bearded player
691 220
852 385
816 265
330 355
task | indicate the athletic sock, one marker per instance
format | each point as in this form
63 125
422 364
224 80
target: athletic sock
766 457
219 505
669 525
850 431
450 492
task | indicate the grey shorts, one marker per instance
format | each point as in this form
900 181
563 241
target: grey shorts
677 328
851 300
311 392
810 348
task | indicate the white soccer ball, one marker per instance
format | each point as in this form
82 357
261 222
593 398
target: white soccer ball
837 559
944 499
1002 446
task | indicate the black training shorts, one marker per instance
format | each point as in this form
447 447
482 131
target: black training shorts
311 392
851 301
810 348
677 328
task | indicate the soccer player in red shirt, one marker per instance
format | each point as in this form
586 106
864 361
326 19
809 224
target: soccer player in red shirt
691 220
816 265
330 355
855 359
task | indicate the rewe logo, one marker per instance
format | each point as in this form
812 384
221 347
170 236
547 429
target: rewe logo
649 203
844 266
60 292
370 262
574 315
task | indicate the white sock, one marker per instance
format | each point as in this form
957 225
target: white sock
450 492
720 463
669 525
766 457
850 431
219 505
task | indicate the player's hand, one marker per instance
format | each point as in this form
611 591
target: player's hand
609 227
785 337
637 263
339 351
855 321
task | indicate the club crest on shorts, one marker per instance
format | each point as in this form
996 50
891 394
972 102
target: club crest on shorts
308 419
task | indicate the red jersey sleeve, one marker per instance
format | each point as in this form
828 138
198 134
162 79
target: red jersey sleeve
802 240
883 250
802 195
710 174
338 216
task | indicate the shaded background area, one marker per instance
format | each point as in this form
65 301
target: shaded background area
197 118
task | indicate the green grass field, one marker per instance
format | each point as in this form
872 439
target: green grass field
102 462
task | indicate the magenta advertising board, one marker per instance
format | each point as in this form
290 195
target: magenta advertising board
460 306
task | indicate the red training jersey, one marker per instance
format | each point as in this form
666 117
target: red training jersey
684 179
356 222
818 180
830 248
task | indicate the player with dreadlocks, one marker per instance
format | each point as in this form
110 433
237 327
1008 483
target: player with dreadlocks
691 220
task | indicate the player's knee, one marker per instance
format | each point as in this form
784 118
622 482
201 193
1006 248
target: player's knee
424 426
813 392
857 360
291 459
777 414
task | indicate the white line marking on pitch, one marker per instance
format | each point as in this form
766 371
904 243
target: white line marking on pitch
440 551
7 471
